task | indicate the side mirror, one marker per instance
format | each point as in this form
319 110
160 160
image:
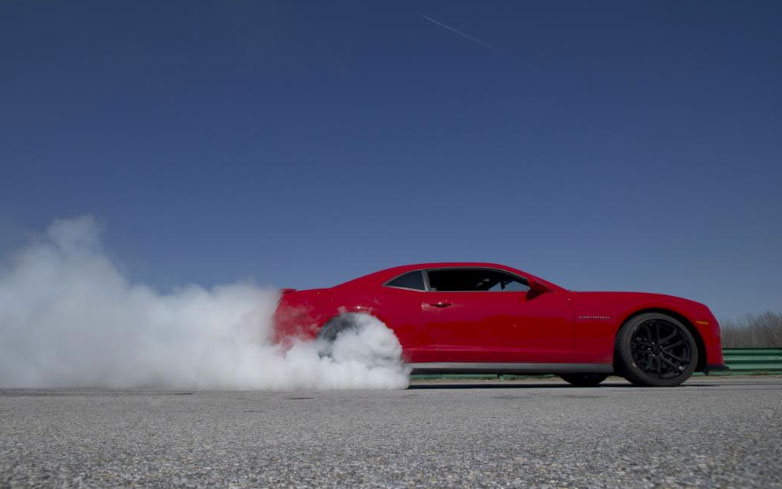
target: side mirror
535 288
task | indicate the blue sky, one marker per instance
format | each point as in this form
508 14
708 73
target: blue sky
601 145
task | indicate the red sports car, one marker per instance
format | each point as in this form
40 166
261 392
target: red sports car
484 317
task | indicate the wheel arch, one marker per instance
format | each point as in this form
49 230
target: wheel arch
342 313
701 365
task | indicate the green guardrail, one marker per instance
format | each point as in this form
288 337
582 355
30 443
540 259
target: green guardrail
740 361
744 360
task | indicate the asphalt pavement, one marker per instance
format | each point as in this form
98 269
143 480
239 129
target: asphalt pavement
710 432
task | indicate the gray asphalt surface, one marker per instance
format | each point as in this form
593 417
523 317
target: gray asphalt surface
711 432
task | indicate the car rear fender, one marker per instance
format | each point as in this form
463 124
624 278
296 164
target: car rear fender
300 313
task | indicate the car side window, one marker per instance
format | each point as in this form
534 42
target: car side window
410 280
474 280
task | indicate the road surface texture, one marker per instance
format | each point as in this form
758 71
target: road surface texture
711 432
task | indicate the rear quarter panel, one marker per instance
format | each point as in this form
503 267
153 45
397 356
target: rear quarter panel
398 309
301 313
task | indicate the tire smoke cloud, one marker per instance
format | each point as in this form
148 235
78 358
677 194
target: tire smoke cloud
69 318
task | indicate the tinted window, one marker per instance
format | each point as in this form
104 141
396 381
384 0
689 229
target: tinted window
410 280
474 279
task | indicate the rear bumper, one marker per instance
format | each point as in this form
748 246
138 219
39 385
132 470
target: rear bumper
716 367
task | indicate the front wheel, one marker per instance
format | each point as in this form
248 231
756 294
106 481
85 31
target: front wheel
656 350
584 380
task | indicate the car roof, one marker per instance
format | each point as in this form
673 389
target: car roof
453 264
389 273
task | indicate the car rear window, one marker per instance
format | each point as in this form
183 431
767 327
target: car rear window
409 280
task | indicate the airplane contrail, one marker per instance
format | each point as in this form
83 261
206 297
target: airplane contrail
464 35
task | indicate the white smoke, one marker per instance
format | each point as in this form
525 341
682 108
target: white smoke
69 318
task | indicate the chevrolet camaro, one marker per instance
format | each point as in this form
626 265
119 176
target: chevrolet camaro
489 318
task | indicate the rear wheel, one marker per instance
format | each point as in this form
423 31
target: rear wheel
656 350
584 380
329 332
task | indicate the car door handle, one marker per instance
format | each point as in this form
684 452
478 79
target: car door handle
440 304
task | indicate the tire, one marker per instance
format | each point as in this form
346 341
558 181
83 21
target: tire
656 350
329 332
584 380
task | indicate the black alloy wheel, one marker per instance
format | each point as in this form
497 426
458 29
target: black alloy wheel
656 350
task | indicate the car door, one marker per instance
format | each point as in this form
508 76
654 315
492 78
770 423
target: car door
488 316
398 305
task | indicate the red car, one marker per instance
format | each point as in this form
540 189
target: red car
484 317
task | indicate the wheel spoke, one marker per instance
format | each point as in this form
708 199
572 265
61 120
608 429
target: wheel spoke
669 337
674 356
673 345
675 367
648 365
648 330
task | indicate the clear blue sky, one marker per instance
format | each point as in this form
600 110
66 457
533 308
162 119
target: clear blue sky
602 145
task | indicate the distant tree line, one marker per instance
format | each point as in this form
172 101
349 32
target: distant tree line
753 331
